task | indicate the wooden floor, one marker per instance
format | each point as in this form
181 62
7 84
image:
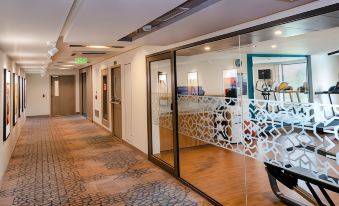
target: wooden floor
228 177
70 161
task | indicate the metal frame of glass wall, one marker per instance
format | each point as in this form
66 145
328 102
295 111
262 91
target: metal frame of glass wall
171 55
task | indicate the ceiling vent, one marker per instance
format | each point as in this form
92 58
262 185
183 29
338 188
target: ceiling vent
187 8
76 45
93 53
82 46
173 13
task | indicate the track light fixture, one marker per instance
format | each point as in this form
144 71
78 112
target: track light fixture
53 51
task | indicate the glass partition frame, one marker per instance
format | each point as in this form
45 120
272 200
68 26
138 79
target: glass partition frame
153 58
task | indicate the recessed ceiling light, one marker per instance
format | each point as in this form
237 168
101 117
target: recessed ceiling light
278 32
274 46
64 68
97 47
254 46
207 48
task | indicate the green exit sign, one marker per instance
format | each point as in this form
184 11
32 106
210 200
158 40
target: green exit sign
81 60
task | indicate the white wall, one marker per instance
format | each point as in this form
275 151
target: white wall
37 86
138 125
209 67
325 72
6 148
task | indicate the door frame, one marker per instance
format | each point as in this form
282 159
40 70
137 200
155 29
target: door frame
162 164
111 97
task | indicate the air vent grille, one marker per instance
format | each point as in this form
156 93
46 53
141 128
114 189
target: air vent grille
93 52
75 45
187 8
175 12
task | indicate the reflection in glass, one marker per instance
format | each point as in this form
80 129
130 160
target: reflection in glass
162 130
210 120
280 78
284 132
277 131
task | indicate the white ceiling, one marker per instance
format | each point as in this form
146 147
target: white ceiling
220 15
106 21
312 43
26 26
318 42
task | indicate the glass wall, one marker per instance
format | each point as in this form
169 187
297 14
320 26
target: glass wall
209 96
290 122
257 117
162 111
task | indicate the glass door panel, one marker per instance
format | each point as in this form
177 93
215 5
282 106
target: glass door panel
161 111
209 94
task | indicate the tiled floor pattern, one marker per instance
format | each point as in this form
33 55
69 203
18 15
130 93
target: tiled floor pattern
70 161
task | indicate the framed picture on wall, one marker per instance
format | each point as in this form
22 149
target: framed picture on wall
163 88
22 94
15 98
25 93
7 104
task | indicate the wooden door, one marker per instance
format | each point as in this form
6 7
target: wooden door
63 95
116 101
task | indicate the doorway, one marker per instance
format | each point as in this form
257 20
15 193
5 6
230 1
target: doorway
62 95
116 101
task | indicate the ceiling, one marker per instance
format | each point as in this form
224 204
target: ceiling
27 25
221 15
106 21
300 37
312 43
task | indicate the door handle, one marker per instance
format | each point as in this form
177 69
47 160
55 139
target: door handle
116 102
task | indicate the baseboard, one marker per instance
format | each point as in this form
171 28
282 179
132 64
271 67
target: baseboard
122 140
133 147
105 128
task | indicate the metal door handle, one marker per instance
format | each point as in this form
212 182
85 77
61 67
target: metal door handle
115 102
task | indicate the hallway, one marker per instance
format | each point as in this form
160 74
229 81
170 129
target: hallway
71 161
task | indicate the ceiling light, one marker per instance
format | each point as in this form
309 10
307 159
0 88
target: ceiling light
254 46
98 47
64 68
274 46
207 48
278 32
67 65
147 28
